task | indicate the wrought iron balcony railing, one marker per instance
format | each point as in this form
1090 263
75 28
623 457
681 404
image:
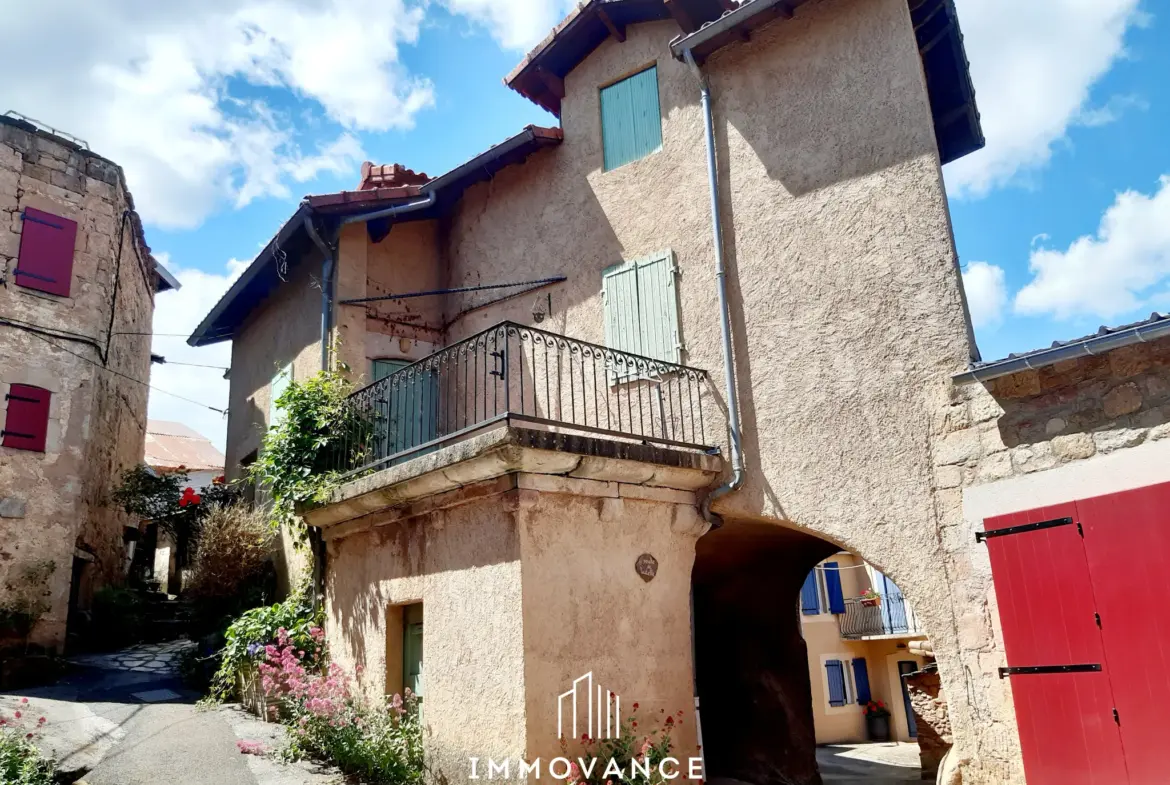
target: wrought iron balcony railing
521 374
892 616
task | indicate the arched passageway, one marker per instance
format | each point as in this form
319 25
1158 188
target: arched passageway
751 662
755 593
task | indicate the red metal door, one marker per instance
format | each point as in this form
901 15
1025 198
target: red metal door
1042 583
1127 542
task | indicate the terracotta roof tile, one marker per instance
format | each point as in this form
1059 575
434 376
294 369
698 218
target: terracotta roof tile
170 445
389 176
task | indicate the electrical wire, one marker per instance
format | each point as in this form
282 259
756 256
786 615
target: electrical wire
40 334
165 361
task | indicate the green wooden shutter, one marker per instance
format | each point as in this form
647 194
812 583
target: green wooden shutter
279 385
619 292
658 308
412 648
631 119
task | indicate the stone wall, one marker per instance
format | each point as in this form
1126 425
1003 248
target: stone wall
1025 425
932 718
54 504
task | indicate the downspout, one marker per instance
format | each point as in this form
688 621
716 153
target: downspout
328 272
737 470
316 542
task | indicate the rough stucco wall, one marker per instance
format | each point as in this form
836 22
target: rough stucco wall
407 260
846 300
586 609
285 329
57 500
463 564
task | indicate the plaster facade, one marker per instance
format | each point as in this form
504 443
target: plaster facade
54 505
513 611
848 313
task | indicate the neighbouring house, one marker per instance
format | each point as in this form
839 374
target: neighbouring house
174 447
628 379
859 649
77 286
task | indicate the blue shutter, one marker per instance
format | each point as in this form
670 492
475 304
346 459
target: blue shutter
833 588
810 604
631 119
861 680
836 674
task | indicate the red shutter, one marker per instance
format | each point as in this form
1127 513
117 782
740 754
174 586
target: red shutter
27 420
46 252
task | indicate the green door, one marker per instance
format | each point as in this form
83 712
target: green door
412 648
409 411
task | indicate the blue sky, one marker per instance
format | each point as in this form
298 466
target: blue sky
225 112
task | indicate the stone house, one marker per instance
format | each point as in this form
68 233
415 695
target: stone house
627 380
858 650
77 286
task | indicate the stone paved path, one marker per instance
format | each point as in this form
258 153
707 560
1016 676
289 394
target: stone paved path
125 718
158 658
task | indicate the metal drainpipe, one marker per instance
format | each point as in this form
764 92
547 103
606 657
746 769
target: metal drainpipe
737 470
316 543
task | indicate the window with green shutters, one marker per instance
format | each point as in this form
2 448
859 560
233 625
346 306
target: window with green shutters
279 385
412 648
641 307
631 120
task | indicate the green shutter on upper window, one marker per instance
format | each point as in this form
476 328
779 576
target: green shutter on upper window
279 384
631 119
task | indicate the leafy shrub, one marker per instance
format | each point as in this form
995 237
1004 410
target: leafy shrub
247 637
379 742
118 617
295 463
232 548
20 761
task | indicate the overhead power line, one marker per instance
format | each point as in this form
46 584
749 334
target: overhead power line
41 334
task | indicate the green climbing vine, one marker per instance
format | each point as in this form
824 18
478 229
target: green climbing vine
296 463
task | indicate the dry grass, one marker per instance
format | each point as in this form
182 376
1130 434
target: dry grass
234 543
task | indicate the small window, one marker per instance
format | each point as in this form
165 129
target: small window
45 262
641 307
26 423
279 384
821 592
412 648
631 121
839 692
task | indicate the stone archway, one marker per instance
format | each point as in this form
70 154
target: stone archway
751 663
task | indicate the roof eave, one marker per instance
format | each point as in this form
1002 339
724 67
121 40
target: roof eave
1085 348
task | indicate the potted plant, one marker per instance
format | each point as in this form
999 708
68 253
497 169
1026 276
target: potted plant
870 598
877 721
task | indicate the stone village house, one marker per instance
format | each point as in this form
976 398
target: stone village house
77 286
558 478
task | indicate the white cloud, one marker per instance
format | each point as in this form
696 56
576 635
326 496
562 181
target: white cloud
1033 64
515 24
986 293
1115 272
176 314
157 87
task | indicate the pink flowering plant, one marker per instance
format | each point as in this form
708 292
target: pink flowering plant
21 763
635 742
329 720
247 640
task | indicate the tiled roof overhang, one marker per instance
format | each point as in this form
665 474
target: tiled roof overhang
539 78
292 243
940 45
